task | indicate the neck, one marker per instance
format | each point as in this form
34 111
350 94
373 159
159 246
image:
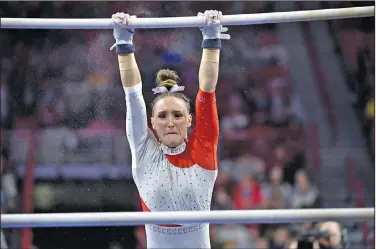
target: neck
173 151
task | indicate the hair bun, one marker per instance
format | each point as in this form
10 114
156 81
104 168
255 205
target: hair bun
167 78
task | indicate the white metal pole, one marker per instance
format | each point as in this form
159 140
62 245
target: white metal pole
192 21
190 217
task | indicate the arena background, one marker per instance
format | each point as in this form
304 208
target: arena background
295 101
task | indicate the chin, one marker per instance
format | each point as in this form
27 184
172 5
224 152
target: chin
173 143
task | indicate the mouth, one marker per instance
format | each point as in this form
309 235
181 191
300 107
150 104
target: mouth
171 133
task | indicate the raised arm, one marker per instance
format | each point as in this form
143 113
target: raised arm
206 109
211 44
136 119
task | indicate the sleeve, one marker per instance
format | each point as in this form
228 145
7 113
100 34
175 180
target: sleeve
207 124
136 119
206 132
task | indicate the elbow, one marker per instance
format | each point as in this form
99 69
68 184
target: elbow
208 88
208 81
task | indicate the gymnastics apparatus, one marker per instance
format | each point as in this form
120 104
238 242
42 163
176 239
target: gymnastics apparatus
215 217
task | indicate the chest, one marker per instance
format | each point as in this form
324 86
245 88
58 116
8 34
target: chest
165 187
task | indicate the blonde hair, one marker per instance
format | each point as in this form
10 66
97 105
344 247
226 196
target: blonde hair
168 78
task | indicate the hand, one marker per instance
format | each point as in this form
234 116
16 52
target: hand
213 29
122 34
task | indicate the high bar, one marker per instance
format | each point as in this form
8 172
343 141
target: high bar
184 217
190 21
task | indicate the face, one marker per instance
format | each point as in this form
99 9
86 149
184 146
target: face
280 153
335 233
281 236
302 181
262 244
171 121
276 175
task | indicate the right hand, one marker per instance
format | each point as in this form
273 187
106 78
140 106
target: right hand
213 28
122 34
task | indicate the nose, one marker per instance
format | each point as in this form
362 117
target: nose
170 123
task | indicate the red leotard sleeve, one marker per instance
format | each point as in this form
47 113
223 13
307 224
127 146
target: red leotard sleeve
206 132
207 125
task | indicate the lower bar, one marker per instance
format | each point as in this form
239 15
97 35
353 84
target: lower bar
190 217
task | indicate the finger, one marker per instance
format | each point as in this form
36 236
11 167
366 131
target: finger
225 36
127 19
209 16
224 29
200 14
219 15
216 19
213 17
115 20
115 16
215 13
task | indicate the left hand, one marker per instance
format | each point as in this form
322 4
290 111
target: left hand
213 29
122 34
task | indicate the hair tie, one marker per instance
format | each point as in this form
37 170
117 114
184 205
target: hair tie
163 89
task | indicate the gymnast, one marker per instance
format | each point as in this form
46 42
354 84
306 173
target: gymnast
174 170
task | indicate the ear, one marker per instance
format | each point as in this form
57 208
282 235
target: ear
152 120
189 121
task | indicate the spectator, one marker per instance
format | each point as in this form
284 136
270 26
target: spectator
248 194
51 107
79 108
3 242
214 240
235 124
249 165
262 244
6 113
370 120
280 238
233 236
305 195
9 194
279 112
221 199
277 193
9 191
254 235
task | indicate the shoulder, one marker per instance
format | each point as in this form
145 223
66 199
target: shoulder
148 148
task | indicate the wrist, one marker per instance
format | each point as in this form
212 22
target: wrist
125 48
212 43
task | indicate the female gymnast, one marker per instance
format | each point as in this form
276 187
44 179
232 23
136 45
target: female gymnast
173 171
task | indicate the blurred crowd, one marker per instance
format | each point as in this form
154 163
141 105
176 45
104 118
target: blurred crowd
356 41
66 85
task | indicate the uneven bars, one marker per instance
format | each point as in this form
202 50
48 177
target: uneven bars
186 217
191 21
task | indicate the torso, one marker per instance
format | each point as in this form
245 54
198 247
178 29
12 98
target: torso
173 182
181 182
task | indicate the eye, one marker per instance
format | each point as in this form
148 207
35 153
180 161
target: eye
178 115
162 115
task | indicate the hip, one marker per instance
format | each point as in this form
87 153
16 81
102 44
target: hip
193 236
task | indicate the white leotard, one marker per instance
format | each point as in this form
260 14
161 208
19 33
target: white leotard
179 179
